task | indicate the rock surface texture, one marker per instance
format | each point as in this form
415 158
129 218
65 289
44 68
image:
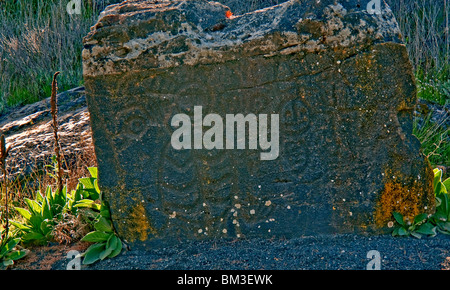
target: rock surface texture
338 77
29 132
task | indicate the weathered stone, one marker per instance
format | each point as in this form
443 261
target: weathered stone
29 132
338 78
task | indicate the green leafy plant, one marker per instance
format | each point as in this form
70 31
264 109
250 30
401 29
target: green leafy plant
106 243
41 215
48 209
9 250
91 189
441 218
417 228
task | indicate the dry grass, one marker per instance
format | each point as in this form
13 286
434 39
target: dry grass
39 180
446 264
425 27
70 229
39 37
74 166
45 257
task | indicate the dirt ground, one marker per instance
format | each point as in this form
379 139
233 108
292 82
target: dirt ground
48 257
337 252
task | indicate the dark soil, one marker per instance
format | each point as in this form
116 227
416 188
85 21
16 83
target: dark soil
339 252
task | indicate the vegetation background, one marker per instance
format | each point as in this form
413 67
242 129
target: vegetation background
39 37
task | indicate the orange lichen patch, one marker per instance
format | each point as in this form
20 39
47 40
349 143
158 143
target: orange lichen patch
397 198
138 225
408 198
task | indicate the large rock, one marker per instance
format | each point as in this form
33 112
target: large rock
337 78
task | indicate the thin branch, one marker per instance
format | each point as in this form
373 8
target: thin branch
54 111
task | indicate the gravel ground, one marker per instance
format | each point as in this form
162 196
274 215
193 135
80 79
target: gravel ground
339 252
